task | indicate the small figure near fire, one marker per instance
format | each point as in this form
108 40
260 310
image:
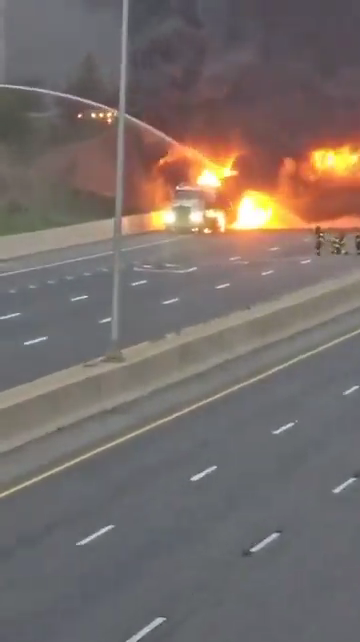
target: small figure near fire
357 244
319 240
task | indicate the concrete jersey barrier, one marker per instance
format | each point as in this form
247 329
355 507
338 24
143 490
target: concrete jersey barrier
18 245
61 399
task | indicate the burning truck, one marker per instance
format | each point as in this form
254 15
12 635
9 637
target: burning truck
320 186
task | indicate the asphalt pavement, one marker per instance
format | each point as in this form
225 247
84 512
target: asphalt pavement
236 521
55 309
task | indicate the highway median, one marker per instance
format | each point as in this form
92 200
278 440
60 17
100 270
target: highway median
30 243
65 398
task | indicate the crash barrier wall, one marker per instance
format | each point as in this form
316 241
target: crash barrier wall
18 245
61 399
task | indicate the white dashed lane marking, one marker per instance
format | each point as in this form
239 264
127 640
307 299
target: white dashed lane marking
305 261
238 260
204 473
344 485
278 431
10 316
265 542
222 286
350 390
32 342
79 298
274 249
135 283
147 629
169 301
95 535
107 320
267 272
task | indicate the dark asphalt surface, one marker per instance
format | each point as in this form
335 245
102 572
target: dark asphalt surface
55 309
178 548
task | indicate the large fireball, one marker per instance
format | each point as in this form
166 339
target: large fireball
255 211
337 162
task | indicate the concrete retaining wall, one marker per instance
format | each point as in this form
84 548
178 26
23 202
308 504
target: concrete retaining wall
63 398
18 245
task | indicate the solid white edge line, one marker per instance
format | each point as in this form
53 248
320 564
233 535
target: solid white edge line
342 487
265 542
208 471
350 390
147 629
278 431
90 538
33 341
10 316
88 257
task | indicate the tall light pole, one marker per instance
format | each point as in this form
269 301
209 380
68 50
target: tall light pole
2 41
117 312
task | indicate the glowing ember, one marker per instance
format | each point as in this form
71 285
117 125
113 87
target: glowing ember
255 211
340 161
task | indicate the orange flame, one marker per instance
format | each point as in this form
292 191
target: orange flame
255 210
338 162
210 178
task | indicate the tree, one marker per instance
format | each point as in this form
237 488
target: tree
87 82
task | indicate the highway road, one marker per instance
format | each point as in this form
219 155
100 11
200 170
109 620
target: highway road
55 309
238 520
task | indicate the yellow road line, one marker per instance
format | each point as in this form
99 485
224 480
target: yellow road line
166 420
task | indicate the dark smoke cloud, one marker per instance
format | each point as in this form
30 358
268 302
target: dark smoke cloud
288 85
268 77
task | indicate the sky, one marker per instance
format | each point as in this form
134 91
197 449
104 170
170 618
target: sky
48 38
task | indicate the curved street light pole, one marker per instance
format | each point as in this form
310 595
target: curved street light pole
117 299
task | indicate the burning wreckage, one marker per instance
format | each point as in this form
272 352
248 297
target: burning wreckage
321 186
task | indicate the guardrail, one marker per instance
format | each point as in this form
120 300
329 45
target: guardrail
18 245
